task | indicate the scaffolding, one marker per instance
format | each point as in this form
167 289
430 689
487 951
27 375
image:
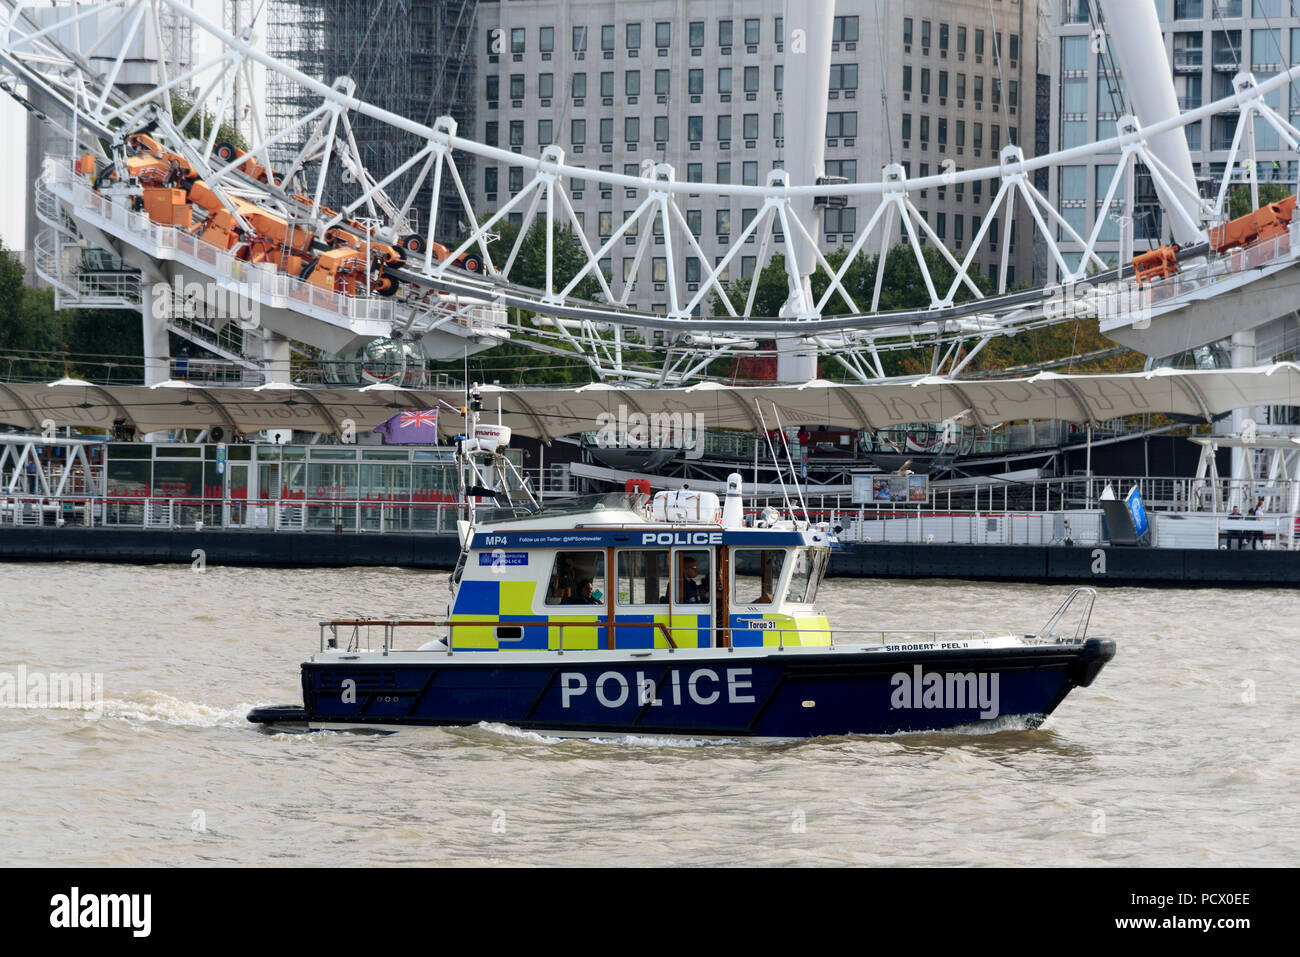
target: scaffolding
414 58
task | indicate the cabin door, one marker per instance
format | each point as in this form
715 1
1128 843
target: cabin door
691 608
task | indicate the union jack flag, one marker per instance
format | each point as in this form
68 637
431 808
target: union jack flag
410 427
420 419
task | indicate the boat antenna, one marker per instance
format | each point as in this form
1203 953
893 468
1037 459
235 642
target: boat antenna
775 460
793 476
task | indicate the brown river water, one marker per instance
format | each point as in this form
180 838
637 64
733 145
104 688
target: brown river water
1184 751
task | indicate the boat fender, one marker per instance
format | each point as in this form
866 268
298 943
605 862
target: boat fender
1096 652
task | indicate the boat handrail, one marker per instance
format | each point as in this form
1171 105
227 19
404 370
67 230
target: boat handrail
859 636
1089 597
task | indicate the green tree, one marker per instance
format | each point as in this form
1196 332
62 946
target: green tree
1239 198
200 125
515 361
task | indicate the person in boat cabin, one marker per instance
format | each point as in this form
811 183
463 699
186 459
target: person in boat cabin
693 593
583 595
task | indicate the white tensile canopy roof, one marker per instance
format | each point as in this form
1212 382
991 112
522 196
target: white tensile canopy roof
548 413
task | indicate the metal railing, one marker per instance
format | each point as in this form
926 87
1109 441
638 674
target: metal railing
354 635
1086 598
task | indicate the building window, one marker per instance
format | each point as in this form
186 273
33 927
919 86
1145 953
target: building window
841 221
607 38
724 128
493 87
517 39
847 168
844 30
907 31
516 132
607 83
546 39
489 179
925 36
546 85
751 79
724 33
907 127
579 86
749 173
751 30
491 132
634 36
724 80
845 124
694 128
779 33
722 222
516 86
516 182
661 129
663 35
750 121
631 129
695 82
606 130
579 39
692 268
694 222
578 132
844 76
545 132
605 223
632 83
696 33
724 173
694 172
662 80
907 78
943 37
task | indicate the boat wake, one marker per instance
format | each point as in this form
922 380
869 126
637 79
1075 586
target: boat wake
147 707
634 740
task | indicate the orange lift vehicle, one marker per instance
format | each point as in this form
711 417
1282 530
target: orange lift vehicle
346 259
1268 222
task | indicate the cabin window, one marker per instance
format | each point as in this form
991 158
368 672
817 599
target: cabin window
692 577
758 575
578 578
807 567
643 577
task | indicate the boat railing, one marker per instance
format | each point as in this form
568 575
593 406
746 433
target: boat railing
358 634
1085 597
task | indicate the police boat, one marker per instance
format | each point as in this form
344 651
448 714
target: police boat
623 614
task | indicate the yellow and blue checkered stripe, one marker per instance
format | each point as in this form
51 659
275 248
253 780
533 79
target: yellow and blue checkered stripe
484 605
806 630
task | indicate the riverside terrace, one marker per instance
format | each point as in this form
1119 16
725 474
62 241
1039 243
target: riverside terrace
296 505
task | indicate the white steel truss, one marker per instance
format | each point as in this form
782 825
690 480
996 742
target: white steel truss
52 53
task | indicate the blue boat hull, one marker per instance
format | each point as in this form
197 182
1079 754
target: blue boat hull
774 696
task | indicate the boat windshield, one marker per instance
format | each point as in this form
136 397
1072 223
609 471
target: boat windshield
574 505
808 565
